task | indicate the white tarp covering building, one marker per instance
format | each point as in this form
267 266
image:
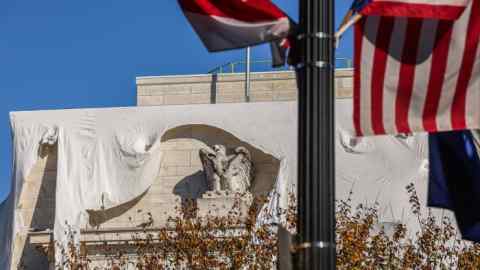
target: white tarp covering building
109 157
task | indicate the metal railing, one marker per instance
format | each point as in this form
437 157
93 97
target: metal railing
266 65
347 62
239 66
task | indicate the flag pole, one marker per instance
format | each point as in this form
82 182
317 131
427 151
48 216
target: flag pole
316 134
247 74
344 27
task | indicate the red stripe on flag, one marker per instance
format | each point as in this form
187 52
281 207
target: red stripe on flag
378 72
358 38
437 75
398 9
407 75
471 46
253 11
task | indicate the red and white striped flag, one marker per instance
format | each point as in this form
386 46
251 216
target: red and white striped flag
438 9
414 75
224 25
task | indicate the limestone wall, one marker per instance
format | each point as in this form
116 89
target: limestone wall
180 175
36 210
227 88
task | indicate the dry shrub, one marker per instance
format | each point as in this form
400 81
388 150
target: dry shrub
234 241
362 242
190 241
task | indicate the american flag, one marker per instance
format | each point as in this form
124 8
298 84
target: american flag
420 72
224 25
438 9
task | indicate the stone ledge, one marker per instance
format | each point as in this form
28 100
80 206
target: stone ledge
225 194
226 77
101 236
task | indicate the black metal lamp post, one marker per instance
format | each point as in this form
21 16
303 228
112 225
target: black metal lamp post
316 144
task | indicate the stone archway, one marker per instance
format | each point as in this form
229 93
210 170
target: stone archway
181 176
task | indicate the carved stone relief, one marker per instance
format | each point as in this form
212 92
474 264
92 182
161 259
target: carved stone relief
224 172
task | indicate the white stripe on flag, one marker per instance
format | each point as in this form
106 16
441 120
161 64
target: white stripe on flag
393 67
422 74
473 94
368 52
454 62
219 33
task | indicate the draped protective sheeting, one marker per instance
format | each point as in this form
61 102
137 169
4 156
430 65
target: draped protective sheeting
107 157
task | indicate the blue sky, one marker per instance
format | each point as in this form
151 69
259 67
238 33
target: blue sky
58 54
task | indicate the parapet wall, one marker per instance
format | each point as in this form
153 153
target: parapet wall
228 88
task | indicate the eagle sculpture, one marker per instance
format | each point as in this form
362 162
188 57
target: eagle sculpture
225 172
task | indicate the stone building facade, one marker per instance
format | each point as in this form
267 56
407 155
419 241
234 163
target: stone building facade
228 88
181 168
